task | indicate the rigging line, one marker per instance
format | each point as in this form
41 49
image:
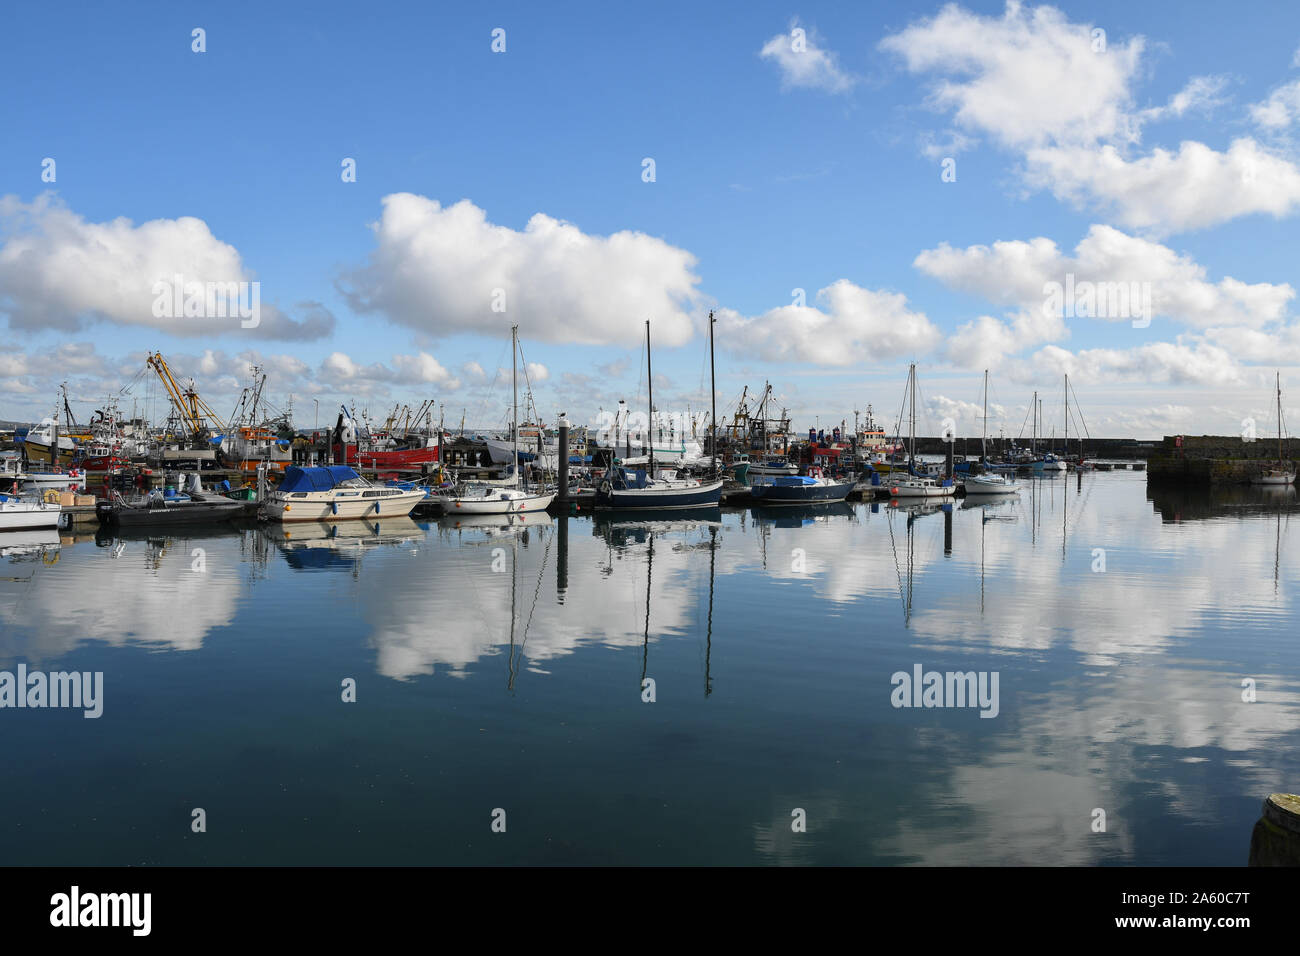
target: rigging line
889 520
1079 409
537 591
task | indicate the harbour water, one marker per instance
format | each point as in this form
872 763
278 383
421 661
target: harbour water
503 669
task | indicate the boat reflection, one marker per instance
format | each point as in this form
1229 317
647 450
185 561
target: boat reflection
323 546
796 516
35 544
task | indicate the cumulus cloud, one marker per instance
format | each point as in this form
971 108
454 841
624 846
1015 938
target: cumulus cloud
804 63
1028 78
59 271
1061 94
854 325
1192 188
1154 363
1016 272
448 269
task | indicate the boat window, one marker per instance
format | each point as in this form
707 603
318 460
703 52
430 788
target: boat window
299 494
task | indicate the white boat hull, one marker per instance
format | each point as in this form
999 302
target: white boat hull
1285 479
340 505
904 490
497 506
25 515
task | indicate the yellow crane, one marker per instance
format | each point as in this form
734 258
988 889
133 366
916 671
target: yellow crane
189 405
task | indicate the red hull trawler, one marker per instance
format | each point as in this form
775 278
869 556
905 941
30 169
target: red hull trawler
399 458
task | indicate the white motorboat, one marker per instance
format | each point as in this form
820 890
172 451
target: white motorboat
915 487
335 492
991 485
17 514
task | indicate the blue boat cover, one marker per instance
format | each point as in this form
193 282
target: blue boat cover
315 479
789 481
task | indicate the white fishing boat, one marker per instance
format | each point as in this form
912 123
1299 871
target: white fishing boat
481 498
989 484
1283 473
17 514
14 477
335 492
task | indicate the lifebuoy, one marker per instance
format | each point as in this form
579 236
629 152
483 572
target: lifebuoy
606 487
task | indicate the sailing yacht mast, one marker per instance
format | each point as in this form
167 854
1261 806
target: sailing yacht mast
911 454
514 413
713 406
985 436
1279 418
1067 417
650 394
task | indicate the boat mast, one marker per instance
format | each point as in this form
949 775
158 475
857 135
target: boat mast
514 413
650 395
1067 416
713 405
1279 418
985 436
911 454
1033 442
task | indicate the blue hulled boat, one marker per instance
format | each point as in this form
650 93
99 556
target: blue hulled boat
798 489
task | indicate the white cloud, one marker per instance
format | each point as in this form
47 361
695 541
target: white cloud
437 269
1036 83
804 63
856 325
1154 363
1028 78
1280 110
1015 273
1165 191
537 372
59 271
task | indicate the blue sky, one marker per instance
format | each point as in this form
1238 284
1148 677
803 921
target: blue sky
772 173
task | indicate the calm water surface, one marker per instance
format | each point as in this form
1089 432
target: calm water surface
502 667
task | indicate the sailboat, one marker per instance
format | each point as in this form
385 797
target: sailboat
916 485
1283 473
989 484
486 499
626 489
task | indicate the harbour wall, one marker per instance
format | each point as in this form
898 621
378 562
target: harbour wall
1215 459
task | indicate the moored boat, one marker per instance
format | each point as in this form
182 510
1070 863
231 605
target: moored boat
17 514
799 489
335 492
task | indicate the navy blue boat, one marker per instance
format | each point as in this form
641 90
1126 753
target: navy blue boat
799 489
